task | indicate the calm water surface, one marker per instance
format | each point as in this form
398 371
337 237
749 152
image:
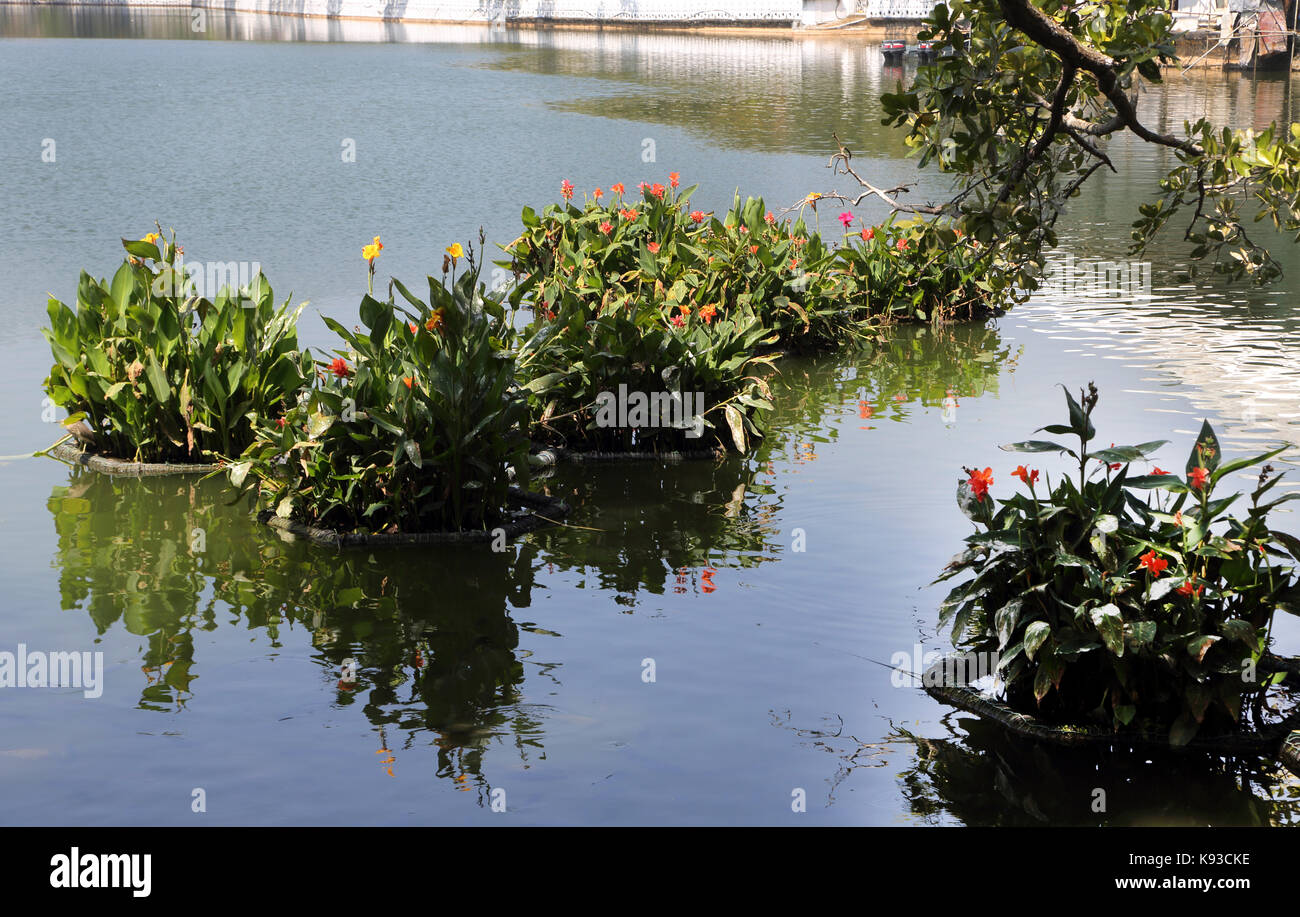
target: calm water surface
523 671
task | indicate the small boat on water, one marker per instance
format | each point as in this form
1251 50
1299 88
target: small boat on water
1260 33
893 49
925 50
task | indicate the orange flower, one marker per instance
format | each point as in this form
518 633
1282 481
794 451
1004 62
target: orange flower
435 320
753 249
409 381
901 245
607 227
653 247
980 482
697 216
769 219
1029 477
674 179
340 368
864 410
707 313
414 327
617 188
868 234
1197 478
597 194
1153 562
1156 469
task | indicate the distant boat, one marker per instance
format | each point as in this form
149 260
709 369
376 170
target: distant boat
893 49
1261 36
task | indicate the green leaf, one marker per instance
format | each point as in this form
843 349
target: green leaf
1110 625
1035 445
1035 634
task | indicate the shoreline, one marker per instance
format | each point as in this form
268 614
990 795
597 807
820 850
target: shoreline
1200 50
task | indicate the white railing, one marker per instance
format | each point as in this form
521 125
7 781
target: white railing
897 9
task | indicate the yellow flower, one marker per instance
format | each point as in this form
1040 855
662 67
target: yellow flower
370 252
455 251
814 195
435 320
151 238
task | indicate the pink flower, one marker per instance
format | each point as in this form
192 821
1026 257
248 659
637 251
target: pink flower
845 219
566 189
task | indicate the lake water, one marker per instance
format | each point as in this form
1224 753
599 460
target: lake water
524 672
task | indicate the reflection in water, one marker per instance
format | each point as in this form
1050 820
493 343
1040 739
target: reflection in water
671 527
981 776
436 652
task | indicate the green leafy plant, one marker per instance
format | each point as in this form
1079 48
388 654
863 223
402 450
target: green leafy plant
411 428
1133 600
159 373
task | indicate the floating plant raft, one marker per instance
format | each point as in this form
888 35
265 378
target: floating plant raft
75 455
1280 740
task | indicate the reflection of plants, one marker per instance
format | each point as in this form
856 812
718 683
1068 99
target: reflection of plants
126 552
437 650
951 778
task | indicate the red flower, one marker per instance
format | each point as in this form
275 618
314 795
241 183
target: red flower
753 249
769 219
1197 478
657 190
653 247
697 216
617 188
414 328
607 227
1029 477
674 179
980 482
340 368
901 245
279 422
1190 587
1158 470
1153 562
868 234
566 189
678 321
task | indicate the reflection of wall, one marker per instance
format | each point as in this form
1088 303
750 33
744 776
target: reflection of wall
767 12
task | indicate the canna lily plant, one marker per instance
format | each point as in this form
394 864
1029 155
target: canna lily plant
1129 600
158 372
411 426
